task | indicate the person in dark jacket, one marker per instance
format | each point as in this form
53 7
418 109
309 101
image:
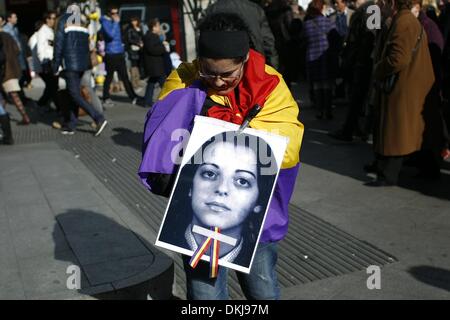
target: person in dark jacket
280 16
134 40
318 32
11 74
115 54
154 51
72 51
435 136
357 67
261 36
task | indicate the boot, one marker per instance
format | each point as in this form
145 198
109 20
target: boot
327 103
6 128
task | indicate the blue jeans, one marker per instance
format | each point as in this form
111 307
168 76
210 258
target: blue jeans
73 80
260 284
2 110
151 87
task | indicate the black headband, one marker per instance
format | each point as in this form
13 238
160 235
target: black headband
223 44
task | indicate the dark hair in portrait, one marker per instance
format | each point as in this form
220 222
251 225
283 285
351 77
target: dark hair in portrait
181 210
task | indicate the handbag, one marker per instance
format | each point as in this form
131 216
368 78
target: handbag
389 83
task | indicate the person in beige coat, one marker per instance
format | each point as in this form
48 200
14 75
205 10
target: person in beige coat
399 123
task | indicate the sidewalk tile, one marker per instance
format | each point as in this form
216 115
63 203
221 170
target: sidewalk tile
106 246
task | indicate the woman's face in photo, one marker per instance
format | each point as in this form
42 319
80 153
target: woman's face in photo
225 186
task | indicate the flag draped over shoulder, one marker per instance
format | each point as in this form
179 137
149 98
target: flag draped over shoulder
183 97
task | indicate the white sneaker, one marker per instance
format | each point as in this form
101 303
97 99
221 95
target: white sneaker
135 101
67 131
101 126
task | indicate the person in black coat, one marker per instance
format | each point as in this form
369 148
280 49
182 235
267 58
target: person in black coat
154 51
134 41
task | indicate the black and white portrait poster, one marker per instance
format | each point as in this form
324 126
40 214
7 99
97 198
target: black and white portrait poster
222 191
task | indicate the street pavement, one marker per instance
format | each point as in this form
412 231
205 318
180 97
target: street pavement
68 201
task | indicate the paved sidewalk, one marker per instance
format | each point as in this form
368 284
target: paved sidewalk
410 221
54 214
47 180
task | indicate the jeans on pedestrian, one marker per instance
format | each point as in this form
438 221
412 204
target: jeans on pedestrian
73 80
260 284
2 110
86 81
151 87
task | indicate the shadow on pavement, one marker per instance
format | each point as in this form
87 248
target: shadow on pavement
436 277
115 262
348 158
128 138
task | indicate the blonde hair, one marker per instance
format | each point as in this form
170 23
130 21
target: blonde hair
431 3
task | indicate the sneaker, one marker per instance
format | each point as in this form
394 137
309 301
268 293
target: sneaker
67 131
56 125
108 103
134 101
101 126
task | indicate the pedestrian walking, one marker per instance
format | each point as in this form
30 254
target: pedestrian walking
72 48
45 38
12 73
115 54
154 64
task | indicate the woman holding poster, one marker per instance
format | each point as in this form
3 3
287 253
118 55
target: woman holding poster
225 82
213 191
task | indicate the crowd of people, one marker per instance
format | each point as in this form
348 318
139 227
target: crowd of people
393 77
394 83
64 49
390 64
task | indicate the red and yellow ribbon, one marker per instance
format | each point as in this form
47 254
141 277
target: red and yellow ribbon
214 254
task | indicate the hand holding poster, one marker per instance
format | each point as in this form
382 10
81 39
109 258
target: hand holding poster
222 193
